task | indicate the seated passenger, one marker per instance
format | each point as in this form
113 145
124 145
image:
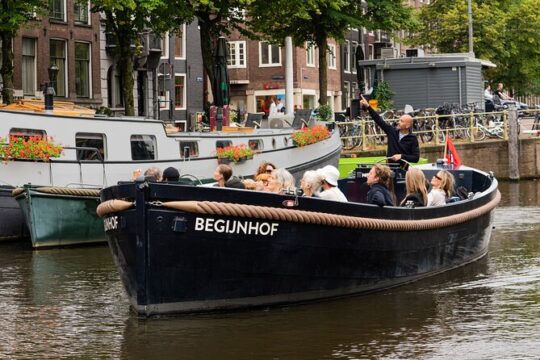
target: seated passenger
152 174
415 182
249 184
442 188
379 179
330 190
171 174
265 168
311 183
280 182
224 178
262 181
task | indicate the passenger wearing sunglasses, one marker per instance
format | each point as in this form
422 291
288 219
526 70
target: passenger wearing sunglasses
265 168
442 188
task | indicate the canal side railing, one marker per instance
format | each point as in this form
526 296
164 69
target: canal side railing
363 134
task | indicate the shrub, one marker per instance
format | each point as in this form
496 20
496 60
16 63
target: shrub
324 113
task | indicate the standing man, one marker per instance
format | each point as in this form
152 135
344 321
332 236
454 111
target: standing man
402 143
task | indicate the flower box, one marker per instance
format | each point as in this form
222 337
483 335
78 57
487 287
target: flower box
234 153
29 147
308 136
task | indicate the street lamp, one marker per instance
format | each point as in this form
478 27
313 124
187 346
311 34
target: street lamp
49 91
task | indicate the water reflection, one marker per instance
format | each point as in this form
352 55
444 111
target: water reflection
70 303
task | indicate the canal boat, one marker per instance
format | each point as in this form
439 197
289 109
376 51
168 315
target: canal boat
100 151
182 249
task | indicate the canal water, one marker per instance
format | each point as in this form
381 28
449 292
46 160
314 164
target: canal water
69 303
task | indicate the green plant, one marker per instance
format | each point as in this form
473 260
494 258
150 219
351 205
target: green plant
308 136
235 153
29 147
324 113
384 94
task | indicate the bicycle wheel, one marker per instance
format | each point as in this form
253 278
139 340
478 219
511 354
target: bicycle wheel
478 133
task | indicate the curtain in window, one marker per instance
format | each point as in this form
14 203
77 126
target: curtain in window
82 69
28 66
58 57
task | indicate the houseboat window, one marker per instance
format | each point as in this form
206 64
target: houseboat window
88 140
143 147
223 143
26 133
256 144
189 148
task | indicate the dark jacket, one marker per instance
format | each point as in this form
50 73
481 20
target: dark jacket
416 199
408 146
380 195
235 183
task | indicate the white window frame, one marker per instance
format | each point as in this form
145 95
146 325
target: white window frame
183 94
34 63
347 57
331 56
270 55
371 52
183 57
90 95
64 18
239 48
310 53
89 15
354 47
66 64
165 42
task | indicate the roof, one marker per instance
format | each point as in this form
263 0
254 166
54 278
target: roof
430 60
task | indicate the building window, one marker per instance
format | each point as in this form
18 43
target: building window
57 9
81 11
179 44
58 57
164 38
353 56
223 144
331 56
269 55
143 147
310 54
346 56
27 133
370 52
256 144
82 69
179 91
29 66
115 93
237 54
94 141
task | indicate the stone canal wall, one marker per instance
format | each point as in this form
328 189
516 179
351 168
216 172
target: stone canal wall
489 155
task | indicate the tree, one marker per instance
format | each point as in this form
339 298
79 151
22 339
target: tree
217 18
13 15
125 20
316 21
505 32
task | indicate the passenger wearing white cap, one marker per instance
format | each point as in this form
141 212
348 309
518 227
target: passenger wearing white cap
330 176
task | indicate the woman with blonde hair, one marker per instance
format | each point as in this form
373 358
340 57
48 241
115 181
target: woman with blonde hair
415 182
380 180
281 181
442 188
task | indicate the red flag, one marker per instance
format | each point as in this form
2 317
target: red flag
452 156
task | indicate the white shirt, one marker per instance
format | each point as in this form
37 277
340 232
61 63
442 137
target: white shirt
488 95
436 197
333 194
273 110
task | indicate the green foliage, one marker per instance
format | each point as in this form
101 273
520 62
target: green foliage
384 94
324 113
505 32
316 21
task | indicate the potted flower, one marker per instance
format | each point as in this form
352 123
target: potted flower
29 147
308 136
234 153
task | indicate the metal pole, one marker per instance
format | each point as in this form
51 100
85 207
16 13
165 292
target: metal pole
469 13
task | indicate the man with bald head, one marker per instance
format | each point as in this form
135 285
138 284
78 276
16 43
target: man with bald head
402 143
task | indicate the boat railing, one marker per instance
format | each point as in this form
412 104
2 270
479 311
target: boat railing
95 157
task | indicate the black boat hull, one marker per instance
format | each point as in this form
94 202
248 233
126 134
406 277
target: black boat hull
173 261
12 225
